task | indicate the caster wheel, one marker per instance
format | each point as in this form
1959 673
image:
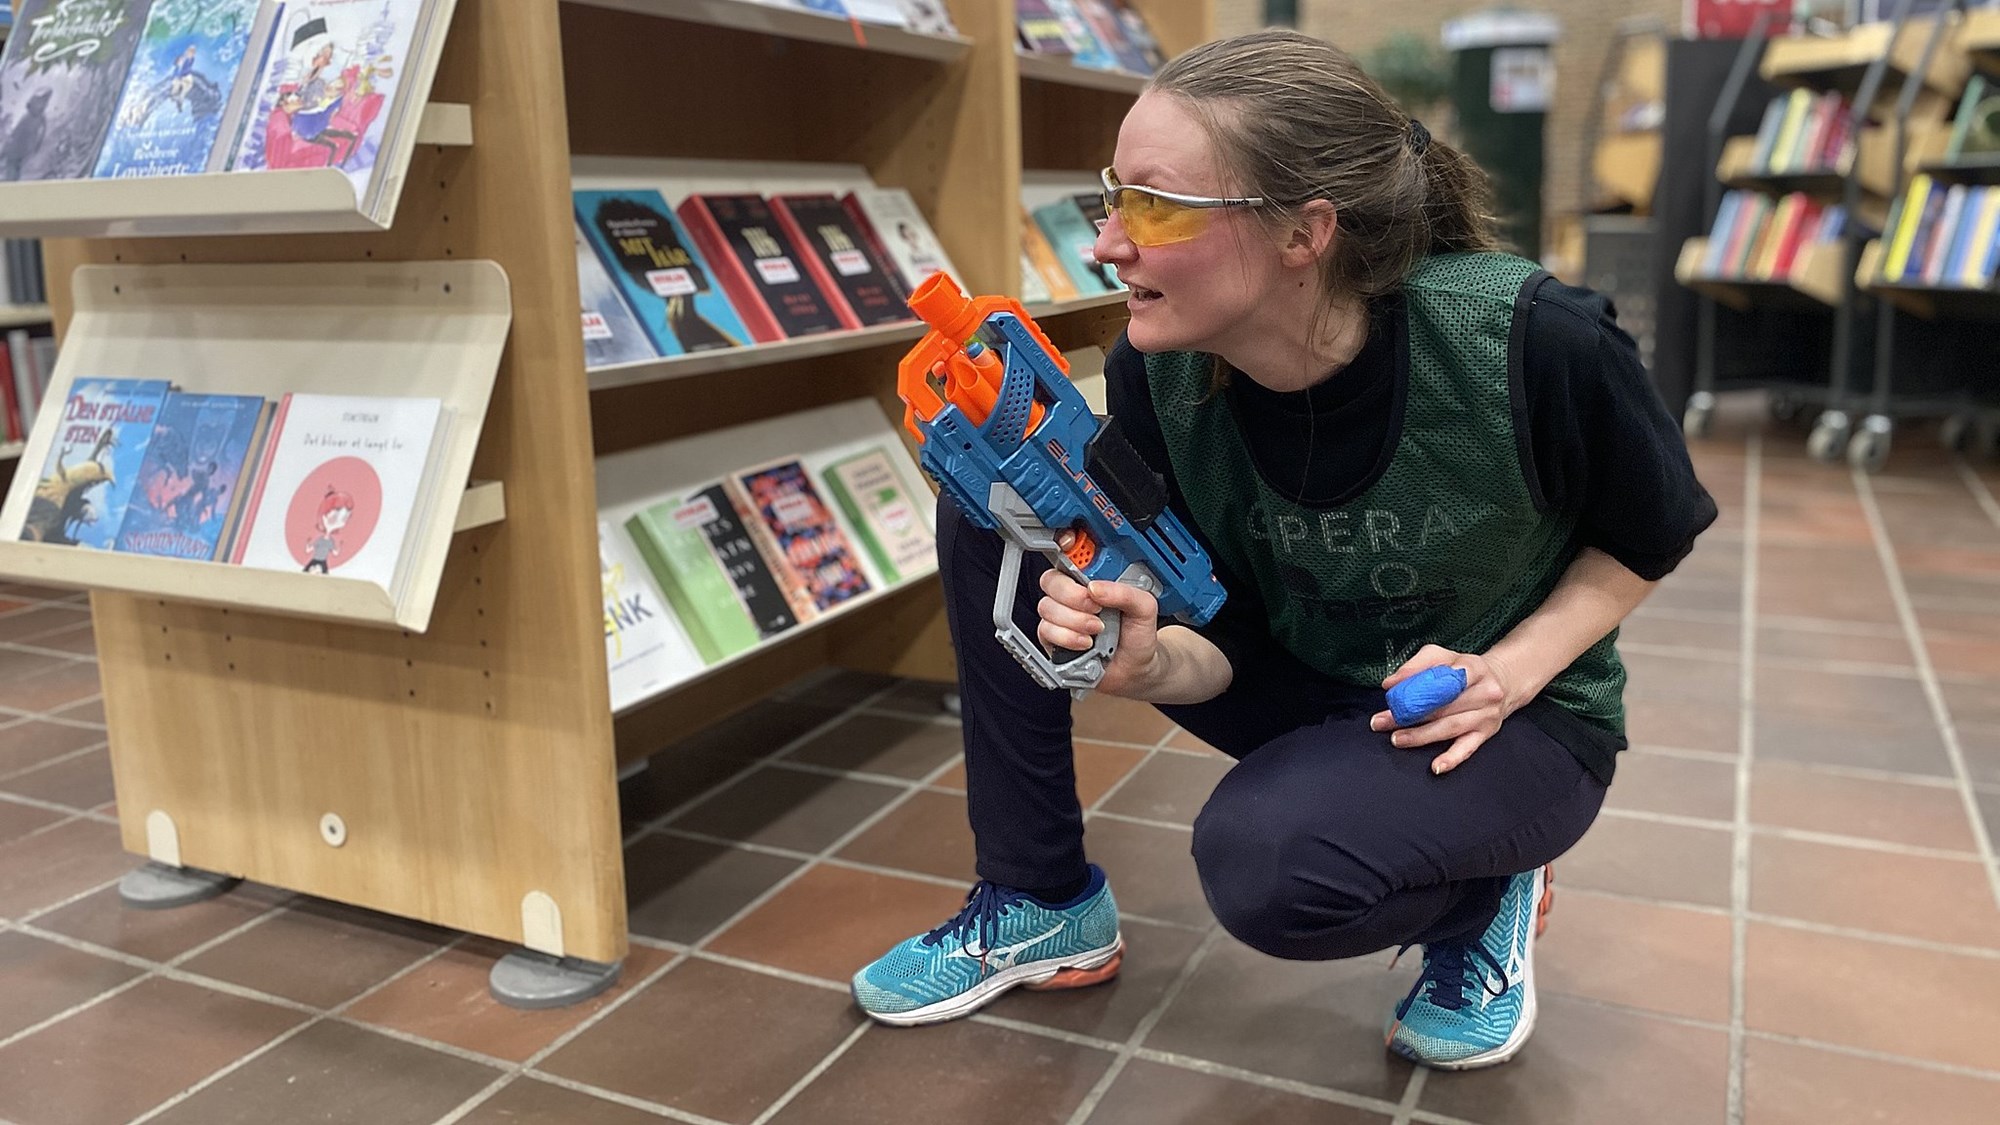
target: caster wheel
1785 408
1868 450
1829 437
1698 420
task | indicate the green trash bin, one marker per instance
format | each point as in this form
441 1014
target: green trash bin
1503 84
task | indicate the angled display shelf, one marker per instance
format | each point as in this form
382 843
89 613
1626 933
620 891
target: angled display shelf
1062 72
1920 299
1814 280
1838 62
804 26
420 329
22 316
290 201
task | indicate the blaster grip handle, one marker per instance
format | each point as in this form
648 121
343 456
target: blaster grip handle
1072 670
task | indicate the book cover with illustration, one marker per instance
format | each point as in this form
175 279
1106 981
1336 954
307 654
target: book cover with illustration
611 334
191 481
193 66
836 253
60 76
883 513
644 648
660 271
94 461
758 267
907 243
340 481
799 534
331 77
711 572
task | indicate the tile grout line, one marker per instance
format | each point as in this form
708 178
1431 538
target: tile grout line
1091 1100
1977 487
529 1067
1933 692
1746 728
1283 1085
813 1075
1798 835
59 759
1413 1093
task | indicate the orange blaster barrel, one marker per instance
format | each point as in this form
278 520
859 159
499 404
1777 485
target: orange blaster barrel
949 365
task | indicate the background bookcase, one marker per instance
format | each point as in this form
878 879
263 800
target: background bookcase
473 764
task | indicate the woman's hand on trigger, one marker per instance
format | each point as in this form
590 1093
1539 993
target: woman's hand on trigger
1467 721
1069 621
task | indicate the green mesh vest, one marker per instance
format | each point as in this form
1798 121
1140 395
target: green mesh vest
1446 547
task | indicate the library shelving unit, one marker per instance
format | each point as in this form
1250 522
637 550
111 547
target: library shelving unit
459 767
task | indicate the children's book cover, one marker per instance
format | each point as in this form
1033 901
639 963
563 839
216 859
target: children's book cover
194 469
60 76
611 334
190 63
644 648
100 443
661 273
325 94
340 480
879 508
801 533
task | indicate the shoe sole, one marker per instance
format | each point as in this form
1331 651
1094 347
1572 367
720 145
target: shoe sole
1080 971
1523 1029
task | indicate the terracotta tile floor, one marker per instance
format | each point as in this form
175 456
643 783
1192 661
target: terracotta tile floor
1787 914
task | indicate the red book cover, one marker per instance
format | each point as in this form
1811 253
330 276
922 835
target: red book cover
837 252
697 214
277 427
747 232
15 425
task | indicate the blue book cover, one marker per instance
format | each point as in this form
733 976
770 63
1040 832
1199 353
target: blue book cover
1071 235
60 76
100 442
611 334
190 58
655 264
194 468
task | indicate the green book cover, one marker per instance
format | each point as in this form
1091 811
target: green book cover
1975 89
669 538
882 513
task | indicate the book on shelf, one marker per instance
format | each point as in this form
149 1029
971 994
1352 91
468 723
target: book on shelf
1034 288
645 649
93 461
929 17
757 266
1072 236
896 228
333 94
611 334
661 272
190 487
343 481
188 88
879 506
1041 256
1085 47
801 540
708 567
836 255
61 73
1041 29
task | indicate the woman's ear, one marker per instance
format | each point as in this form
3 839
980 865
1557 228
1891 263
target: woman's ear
1312 235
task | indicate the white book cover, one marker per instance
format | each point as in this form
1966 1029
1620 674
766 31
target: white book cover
911 244
644 646
329 87
341 482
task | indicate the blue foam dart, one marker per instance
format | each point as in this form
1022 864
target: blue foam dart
1425 692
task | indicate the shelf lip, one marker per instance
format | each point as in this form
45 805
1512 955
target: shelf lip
755 355
852 605
1060 72
1042 310
1964 171
23 316
12 450
810 27
1979 30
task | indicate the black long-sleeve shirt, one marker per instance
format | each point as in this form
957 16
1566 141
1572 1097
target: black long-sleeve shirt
1593 433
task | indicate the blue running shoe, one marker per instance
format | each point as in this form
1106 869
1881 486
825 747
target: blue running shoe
1474 1003
1001 938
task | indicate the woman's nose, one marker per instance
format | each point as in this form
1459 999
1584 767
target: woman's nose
1112 246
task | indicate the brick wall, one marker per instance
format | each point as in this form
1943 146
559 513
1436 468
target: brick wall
1587 34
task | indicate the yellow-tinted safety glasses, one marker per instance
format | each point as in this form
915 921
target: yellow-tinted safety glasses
1152 217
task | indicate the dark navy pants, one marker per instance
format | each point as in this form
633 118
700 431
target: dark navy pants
1324 841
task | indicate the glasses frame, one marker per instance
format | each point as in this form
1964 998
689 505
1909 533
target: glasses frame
1111 188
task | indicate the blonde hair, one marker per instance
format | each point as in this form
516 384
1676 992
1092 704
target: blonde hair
1295 119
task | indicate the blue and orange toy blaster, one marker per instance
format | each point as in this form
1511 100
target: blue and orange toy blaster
1003 430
